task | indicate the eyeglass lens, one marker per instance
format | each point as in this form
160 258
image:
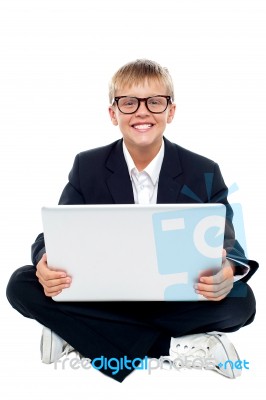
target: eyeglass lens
155 104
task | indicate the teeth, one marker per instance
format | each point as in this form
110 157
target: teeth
144 126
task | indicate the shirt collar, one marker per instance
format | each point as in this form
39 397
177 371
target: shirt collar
154 167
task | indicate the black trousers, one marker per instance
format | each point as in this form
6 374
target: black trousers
132 329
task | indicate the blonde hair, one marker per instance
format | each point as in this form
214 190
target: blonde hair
135 72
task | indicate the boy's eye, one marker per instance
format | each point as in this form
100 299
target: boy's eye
154 101
128 102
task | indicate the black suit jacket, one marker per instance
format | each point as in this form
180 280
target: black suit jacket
100 176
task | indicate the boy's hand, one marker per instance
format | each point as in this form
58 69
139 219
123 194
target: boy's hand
53 282
217 287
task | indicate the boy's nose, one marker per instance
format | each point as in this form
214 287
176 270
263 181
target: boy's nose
142 110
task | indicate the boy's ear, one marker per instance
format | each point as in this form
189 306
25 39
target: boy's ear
112 115
171 113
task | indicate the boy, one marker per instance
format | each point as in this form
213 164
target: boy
143 167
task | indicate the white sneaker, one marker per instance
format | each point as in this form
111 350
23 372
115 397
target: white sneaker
53 347
211 350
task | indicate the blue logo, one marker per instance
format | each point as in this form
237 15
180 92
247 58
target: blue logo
173 233
238 364
184 240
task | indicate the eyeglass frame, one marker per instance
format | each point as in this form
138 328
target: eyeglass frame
145 99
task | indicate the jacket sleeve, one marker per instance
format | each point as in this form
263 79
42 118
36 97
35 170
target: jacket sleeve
232 246
37 249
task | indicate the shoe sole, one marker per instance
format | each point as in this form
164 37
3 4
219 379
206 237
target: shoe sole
46 346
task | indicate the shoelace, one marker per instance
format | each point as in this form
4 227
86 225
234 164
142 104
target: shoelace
193 351
192 356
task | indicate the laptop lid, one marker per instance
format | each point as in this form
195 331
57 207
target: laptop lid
133 252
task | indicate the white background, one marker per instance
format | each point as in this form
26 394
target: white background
56 59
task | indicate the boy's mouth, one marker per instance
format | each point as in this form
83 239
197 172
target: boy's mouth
142 127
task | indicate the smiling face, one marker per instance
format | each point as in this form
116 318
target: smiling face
143 130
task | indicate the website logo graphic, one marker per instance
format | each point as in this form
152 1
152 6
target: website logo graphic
189 238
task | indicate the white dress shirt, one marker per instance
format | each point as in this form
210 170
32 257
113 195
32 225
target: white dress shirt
145 183
145 186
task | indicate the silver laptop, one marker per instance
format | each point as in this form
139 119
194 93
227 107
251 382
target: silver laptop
134 252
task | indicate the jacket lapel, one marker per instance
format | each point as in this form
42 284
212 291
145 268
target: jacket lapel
119 183
170 179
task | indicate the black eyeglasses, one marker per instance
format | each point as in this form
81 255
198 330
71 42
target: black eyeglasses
155 104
